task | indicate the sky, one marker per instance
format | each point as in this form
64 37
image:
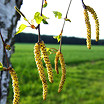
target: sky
76 28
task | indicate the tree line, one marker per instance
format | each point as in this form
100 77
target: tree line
33 38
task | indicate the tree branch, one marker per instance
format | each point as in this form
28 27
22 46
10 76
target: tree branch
4 49
64 24
39 38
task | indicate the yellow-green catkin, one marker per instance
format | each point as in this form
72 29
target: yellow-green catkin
40 68
94 15
56 61
15 86
88 26
63 67
47 61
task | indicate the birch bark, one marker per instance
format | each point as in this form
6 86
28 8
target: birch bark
8 22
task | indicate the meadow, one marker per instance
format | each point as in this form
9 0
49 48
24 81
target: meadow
84 76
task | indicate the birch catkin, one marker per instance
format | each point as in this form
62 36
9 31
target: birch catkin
47 61
63 77
40 68
94 15
56 61
15 86
88 26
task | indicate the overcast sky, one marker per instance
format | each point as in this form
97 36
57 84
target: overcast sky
77 26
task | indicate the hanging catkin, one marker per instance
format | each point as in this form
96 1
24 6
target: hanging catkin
94 15
15 86
47 61
88 26
40 68
56 61
63 77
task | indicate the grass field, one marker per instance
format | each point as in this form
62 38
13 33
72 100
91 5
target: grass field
84 79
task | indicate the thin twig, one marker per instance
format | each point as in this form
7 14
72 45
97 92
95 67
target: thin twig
68 8
83 4
21 14
4 49
64 25
41 8
39 39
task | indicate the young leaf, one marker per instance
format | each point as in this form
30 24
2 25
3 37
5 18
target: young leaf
45 17
21 28
57 14
58 37
66 19
44 21
49 51
45 5
1 67
38 18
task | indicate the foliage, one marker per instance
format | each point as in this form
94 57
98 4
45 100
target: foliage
45 5
38 18
57 14
21 28
66 19
58 37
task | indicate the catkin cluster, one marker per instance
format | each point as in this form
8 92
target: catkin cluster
39 64
47 61
15 86
87 22
59 56
56 61
94 15
39 49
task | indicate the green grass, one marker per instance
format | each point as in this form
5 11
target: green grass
84 79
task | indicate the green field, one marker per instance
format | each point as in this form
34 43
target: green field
84 79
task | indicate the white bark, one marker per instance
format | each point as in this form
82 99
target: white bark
8 21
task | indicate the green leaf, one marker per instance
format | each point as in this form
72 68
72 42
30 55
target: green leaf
21 28
48 51
66 19
58 37
1 67
45 17
44 21
38 18
45 5
57 14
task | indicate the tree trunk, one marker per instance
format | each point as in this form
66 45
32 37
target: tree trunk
8 22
